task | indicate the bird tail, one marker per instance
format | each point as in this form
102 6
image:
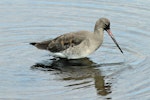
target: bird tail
33 43
42 46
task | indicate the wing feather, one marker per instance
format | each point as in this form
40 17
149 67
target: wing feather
64 42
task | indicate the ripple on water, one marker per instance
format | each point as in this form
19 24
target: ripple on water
28 73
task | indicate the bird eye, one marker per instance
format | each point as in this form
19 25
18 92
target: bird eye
106 26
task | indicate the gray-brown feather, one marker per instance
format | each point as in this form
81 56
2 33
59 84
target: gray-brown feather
65 41
41 45
62 42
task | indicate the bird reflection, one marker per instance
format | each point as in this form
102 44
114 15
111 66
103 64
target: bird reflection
80 69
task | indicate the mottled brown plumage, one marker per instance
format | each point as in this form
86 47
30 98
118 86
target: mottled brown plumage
65 41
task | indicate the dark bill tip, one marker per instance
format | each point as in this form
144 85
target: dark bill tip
111 35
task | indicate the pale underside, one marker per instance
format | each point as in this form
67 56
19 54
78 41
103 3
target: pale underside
72 45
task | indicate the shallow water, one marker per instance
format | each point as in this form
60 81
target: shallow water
27 73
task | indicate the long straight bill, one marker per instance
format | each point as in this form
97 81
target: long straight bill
111 35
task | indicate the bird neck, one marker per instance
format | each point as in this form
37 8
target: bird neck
99 33
98 37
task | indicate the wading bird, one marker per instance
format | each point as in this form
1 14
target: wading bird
75 45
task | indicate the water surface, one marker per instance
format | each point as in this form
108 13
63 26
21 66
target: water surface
27 73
